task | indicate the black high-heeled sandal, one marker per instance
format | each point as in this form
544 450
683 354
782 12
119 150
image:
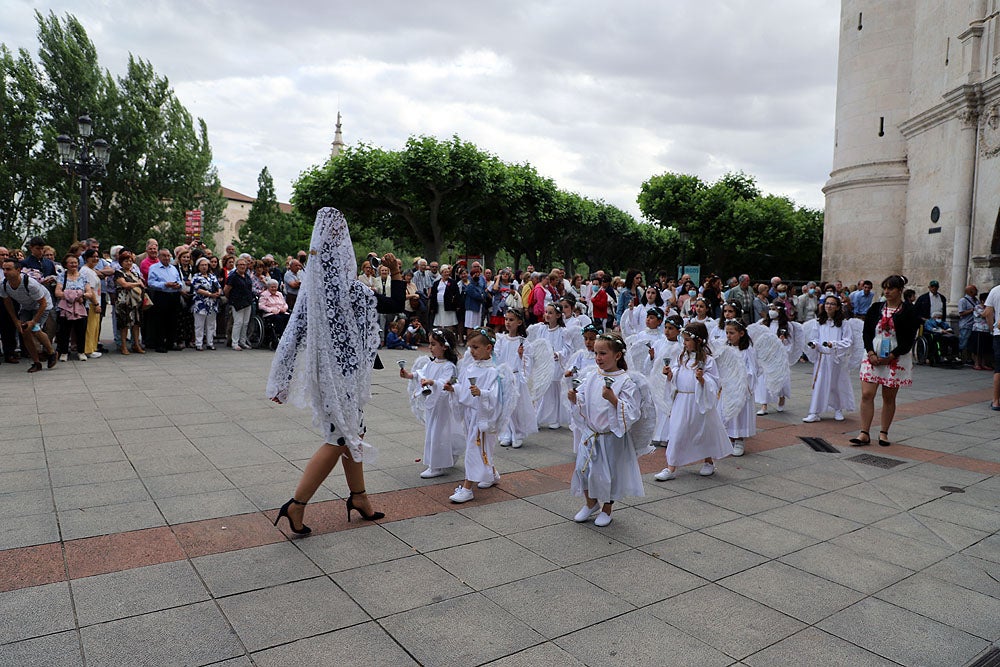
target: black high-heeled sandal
883 443
283 512
858 442
374 516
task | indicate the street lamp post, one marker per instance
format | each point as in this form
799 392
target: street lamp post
86 159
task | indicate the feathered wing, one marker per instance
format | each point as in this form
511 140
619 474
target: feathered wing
636 352
735 391
628 324
810 333
535 330
464 362
857 352
540 375
641 433
661 390
797 337
509 392
418 402
574 334
771 357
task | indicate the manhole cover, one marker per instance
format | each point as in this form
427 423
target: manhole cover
952 489
988 658
877 461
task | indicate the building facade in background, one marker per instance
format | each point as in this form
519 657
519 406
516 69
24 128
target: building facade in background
915 184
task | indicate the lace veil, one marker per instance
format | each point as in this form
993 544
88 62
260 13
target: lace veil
325 357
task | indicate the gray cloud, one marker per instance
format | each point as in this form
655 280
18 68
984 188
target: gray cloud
598 96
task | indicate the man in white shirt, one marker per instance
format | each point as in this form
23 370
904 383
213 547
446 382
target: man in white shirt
990 314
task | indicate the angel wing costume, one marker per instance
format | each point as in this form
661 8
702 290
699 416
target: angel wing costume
774 378
516 353
665 352
325 357
831 354
696 428
485 414
552 408
738 373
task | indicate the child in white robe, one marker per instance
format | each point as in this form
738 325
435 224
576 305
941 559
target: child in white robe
829 349
697 433
581 364
640 345
485 402
744 424
552 410
606 405
444 435
665 352
510 350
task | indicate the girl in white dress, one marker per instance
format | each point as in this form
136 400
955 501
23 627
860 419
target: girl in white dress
776 319
552 410
487 398
606 405
829 349
511 350
701 315
444 436
696 429
731 310
744 424
665 352
581 364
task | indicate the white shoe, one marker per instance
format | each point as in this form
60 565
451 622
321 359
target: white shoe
761 412
554 426
505 443
486 485
517 444
63 357
586 512
781 408
838 416
738 448
94 355
80 356
602 520
665 475
811 418
707 470
237 348
432 472
461 495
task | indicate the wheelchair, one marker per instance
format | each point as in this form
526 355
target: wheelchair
260 331
927 350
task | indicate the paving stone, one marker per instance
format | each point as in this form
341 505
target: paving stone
75 457
192 635
76 523
634 527
932 531
58 650
438 531
690 512
799 594
704 556
618 574
281 614
429 633
92 473
960 608
26 503
738 499
368 645
760 537
961 514
24 480
847 507
972 573
249 569
809 522
27 530
187 483
734 624
489 563
827 476
24 461
211 505
137 591
901 635
846 567
31 612
543 654
896 549
835 652
399 585
568 543
557 603
639 638
511 516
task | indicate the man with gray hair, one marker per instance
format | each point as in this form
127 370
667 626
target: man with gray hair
744 295
423 279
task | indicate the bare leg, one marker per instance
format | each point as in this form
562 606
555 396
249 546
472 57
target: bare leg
355 474
590 501
888 407
29 342
44 340
136 336
868 390
996 384
318 469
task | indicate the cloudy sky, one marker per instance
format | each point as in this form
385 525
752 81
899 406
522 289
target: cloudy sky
597 95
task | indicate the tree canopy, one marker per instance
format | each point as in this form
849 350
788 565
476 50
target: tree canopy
268 229
161 160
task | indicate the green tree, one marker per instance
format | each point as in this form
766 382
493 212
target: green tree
266 229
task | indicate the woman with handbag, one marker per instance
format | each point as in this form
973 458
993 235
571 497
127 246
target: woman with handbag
131 300
72 291
444 301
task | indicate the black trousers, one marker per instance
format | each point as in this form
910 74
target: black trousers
66 327
8 334
162 330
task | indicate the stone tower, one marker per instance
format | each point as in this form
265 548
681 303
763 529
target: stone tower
915 184
338 139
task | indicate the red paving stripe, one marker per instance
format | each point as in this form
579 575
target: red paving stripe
47 563
31 566
121 551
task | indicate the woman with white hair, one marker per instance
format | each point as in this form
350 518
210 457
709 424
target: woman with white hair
205 291
325 359
272 305
444 301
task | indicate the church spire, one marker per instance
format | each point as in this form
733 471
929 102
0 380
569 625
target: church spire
338 139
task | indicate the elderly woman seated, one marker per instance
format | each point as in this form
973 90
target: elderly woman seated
273 307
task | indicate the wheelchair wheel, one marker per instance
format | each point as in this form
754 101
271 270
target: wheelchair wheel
255 331
921 349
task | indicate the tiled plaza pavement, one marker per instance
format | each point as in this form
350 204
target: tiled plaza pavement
136 499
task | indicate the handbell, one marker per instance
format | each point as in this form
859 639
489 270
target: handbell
472 381
576 382
608 382
401 363
666 361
